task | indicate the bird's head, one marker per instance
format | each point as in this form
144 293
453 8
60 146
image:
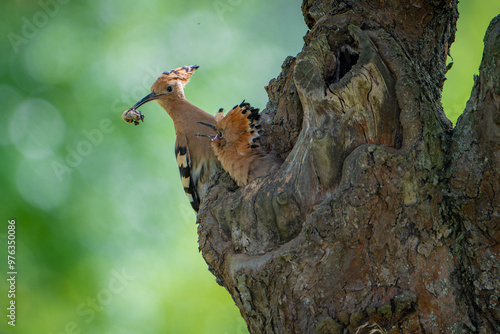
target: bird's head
219 138
169 85
237 130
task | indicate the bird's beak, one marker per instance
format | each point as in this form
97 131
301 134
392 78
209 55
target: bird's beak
146 99
212 137
209 125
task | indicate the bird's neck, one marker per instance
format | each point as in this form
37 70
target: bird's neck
172 106
184 114
177 108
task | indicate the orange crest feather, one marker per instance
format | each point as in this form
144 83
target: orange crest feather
240 127
182 74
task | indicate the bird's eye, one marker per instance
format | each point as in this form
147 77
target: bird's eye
219 134
169 88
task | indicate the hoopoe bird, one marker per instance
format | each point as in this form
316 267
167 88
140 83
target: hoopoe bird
195 157
236 144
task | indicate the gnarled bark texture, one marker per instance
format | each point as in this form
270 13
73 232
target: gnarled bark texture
382 212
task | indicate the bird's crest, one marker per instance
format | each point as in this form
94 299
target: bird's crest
240 127
182 74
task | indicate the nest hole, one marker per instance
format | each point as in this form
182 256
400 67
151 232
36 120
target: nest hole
346 58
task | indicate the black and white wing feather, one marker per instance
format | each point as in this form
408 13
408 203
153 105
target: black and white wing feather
185 167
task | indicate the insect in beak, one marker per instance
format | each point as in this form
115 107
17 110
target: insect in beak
133 116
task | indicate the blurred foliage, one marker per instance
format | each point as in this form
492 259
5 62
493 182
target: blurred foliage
466 53
106 240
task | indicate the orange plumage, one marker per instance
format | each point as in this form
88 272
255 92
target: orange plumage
236 145
195 157
180 75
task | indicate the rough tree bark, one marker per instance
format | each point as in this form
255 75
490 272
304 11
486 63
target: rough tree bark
382 212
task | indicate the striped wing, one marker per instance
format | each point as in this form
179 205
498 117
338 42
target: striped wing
184 162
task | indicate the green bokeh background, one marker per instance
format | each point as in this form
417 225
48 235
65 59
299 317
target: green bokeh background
68 69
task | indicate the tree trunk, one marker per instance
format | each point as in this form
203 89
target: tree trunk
382 214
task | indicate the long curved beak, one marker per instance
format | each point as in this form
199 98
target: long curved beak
212 137
209 125
146 99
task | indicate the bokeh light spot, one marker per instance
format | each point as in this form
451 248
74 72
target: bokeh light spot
10 98
48 57
36 128
38 184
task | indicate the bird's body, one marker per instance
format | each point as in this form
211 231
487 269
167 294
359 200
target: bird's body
237 148
195 157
